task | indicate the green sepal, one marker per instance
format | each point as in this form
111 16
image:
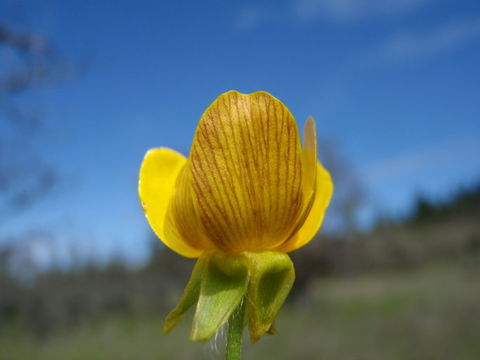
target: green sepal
219 282
224 283
189 297
271 278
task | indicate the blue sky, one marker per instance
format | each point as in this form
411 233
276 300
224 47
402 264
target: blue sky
395 84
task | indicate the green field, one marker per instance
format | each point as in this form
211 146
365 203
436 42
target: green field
432 313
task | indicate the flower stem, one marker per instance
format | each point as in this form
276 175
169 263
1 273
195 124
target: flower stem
235 332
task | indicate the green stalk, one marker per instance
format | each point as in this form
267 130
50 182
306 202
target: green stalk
235 332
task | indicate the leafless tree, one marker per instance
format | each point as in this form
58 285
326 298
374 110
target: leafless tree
27 61
349 193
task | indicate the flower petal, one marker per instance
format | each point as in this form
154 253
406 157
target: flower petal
156 185
309 174
309 159
246 166
183 219
323 194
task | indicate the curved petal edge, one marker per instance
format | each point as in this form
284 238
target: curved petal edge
156 185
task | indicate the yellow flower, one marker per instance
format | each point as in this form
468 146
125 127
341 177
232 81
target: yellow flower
247 189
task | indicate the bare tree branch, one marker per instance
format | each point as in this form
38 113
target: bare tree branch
33 61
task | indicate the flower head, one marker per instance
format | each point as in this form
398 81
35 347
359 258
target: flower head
248 194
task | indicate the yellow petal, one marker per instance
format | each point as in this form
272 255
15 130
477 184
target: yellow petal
309 172
183 219
246 166
323 194
309 159
158 175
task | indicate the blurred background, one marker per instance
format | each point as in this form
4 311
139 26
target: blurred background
87 87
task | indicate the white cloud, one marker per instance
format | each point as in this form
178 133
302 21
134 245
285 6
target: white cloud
349 10
412 46
248 19
426 159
